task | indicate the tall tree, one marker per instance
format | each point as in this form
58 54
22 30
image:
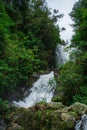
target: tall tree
73 75
79 16
28 37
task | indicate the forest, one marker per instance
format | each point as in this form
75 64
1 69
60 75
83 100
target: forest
28 37
73 75
29 34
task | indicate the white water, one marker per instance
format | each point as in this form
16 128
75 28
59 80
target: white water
82 124
61 55
42 89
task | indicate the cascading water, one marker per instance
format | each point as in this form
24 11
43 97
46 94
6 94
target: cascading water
82 124
61 55
42 89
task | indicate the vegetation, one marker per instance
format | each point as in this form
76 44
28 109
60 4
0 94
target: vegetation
28 37
73 75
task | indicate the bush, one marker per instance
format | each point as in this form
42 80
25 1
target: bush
3 106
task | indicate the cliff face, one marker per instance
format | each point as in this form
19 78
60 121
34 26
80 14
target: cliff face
51 116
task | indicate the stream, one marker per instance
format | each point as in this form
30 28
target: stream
82 124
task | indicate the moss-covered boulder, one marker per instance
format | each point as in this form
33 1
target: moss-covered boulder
48 116
79 108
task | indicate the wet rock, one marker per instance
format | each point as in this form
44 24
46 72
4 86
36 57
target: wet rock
15 126
47 116
35 75
3 125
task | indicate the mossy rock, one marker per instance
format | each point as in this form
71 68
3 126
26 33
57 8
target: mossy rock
57 98
40 117
48 116
15 126
78 108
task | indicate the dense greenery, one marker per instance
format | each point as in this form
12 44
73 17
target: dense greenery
28 37
73 75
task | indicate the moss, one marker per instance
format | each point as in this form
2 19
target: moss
73 113
15 126
48 116
43 118
57 98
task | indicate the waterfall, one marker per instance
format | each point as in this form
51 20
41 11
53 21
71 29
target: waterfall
42 89
61 55
82 124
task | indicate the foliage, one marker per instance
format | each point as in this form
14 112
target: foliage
28 37
73 75
79 16
82 95
70 81
3 106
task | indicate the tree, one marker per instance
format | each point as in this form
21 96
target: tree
79 16
28 37
73 75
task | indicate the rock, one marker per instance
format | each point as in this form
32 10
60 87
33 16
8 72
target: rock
47 116
55 105
3 125
35 75
15 126
67 118
26 93
79 108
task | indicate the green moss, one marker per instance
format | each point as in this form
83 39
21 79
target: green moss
73 113
57 98
46 116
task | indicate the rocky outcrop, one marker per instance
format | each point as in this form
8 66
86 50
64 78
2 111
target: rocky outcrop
47 116
79 108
